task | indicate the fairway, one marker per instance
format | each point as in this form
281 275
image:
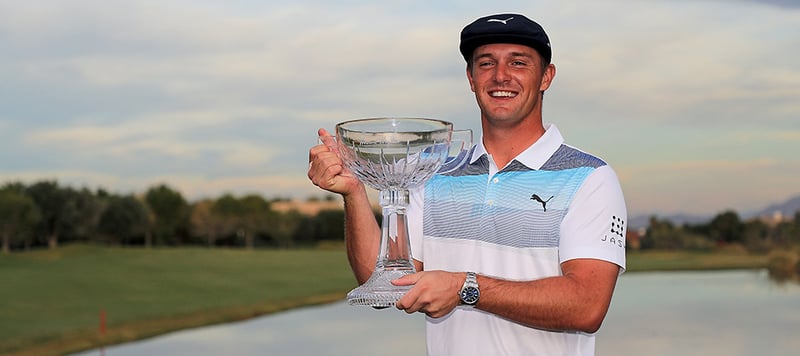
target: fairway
60 294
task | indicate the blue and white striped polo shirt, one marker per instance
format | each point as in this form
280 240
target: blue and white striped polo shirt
552 203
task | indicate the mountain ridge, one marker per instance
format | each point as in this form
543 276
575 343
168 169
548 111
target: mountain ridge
787 209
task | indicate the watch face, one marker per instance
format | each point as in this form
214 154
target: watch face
470 295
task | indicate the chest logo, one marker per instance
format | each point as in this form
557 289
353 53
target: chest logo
540 200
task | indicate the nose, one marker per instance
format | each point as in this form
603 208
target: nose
501 74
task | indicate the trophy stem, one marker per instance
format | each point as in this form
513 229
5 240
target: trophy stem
394 258
395 249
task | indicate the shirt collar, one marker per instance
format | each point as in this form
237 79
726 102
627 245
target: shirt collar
535 156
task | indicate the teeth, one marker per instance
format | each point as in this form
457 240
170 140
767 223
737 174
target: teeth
506 94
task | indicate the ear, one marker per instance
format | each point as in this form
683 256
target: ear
547 77
471 81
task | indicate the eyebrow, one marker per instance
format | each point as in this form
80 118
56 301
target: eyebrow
521 54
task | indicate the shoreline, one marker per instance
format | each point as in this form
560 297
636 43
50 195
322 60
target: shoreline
86 340
83 340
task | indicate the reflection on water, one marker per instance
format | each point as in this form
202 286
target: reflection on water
676 313
702 313
335 329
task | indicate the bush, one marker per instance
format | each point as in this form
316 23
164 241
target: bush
783 266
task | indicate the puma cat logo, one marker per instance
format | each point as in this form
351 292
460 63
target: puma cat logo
539 199
504 22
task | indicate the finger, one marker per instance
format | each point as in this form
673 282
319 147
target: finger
407 305
407 280
316 151
324 174
406 301
409 302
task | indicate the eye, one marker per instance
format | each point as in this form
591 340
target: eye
519 63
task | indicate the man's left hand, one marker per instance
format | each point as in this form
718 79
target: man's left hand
435 293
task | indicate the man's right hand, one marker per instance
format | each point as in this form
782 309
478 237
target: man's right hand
326 169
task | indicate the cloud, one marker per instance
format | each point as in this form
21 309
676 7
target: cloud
178 137
790 4
790 137
193 187
228 96
706 185
682 63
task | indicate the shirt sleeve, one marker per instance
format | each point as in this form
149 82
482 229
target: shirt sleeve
596 223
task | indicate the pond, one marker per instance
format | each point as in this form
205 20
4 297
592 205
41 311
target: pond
660 313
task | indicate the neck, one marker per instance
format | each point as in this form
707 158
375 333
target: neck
506 143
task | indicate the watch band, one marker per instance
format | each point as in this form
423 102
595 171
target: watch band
472 279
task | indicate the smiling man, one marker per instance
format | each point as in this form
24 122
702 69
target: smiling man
519 249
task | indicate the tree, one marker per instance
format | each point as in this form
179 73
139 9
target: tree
756 236
170 212
661 234
283 227
123 219
66 213
726 227
52 201
331 225
204 223
327 225
785 233
243 218
18 217
83 210
256 214
795 237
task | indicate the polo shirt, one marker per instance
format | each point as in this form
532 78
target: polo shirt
550 204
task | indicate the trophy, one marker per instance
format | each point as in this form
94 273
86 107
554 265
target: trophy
393 155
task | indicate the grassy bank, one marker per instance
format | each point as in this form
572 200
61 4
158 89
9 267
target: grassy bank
52 301
686 261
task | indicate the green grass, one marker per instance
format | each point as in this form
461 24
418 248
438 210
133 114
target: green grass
53 299
682 260
50 301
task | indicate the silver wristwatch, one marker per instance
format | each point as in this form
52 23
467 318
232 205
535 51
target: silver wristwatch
470 293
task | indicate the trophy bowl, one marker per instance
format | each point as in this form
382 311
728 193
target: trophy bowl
393 155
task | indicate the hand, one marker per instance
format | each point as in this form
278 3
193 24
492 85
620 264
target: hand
326 169
435 293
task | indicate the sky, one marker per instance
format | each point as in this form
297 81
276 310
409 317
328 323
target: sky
695 104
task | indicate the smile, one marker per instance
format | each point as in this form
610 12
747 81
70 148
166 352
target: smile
502 94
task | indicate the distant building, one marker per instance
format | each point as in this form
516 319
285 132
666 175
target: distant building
308 207
776 218
633 239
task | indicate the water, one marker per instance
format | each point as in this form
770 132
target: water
702 313
676 313
336 329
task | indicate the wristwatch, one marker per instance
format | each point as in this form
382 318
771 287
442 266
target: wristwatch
469 291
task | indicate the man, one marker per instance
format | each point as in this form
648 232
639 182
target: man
520 248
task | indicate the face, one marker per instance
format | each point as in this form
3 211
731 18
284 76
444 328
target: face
508 80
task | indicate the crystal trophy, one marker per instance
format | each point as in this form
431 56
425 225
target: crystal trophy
393 155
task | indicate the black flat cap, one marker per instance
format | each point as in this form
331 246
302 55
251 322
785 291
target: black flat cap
505 28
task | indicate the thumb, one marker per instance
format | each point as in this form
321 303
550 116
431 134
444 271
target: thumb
327 139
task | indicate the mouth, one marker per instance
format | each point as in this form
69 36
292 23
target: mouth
502 94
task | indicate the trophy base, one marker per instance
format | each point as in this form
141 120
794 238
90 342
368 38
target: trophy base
379 292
